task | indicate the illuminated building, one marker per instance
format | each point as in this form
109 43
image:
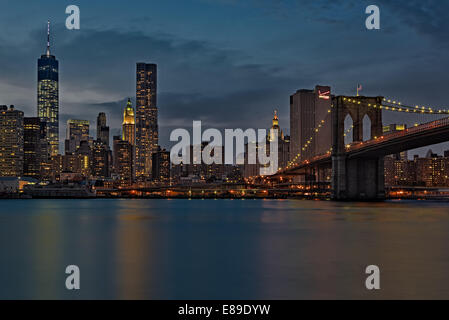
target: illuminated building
123 161
78 163
102 129
201 172
99 160
11 142
48 96
55 168
283 143
252 170
431 171
161 166
129 124
146 118
307 109
77 131
35 147
399 172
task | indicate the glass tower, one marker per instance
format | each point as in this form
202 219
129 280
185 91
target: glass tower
146 118
48 96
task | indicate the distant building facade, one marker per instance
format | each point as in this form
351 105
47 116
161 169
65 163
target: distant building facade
129 124
99 160
147 139
430 171
161 166
123 161
102 129
253 170
77 131
35 147
308 109
11 142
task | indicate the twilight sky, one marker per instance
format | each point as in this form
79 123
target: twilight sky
226 62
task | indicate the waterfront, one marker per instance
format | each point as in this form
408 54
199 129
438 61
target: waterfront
223 249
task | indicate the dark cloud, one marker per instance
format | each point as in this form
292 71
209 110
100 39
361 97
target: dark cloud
319 41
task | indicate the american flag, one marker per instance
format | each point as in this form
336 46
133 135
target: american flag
359 87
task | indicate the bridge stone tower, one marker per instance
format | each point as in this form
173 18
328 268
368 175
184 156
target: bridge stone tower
356 178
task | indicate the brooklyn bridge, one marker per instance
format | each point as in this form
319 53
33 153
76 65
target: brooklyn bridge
353 157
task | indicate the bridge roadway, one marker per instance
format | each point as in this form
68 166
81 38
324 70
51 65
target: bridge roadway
420 136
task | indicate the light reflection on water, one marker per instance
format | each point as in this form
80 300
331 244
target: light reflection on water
223 249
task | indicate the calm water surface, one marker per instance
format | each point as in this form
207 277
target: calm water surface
222 249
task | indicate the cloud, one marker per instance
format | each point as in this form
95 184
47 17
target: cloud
234 85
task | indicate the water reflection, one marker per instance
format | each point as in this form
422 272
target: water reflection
223 249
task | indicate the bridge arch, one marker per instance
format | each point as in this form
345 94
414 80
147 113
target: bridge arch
348 129
359 109
349 175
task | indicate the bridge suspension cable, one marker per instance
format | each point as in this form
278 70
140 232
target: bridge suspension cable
296 158
392 105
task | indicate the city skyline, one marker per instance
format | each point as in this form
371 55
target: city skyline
255 79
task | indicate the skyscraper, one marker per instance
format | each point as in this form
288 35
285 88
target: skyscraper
11 142
77 131
48 95
123 161
35 147
161 166
99 160
129 124
102 129
308 108
146 118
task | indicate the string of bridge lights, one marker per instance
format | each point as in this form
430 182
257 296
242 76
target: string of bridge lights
393 105
387 104
308 143
348 131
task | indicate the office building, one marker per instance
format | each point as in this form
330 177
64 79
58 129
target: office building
35 147
123 161
129 124
161 166
251 170
11 142
431 171
102 129
77 131
308 108
99 160
146 118
48 96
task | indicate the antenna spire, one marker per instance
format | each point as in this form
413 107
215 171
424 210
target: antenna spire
48 38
